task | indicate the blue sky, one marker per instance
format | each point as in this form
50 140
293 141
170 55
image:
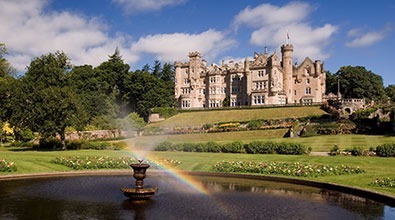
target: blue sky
337 32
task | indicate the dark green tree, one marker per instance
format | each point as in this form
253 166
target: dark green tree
43 100
357 82
87 84
390 92
145 92
157 71
331 83
113 75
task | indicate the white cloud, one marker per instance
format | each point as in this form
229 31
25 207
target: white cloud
270 15
130 6
172 47
271 24
363 39
32 32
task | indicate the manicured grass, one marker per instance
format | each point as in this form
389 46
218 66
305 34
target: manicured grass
200 118
39 162
318 143
375 167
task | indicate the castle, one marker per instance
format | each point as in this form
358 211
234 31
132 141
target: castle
265 80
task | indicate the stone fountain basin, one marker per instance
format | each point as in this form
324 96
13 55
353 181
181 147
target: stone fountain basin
86 196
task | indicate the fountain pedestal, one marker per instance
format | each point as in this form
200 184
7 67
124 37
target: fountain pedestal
139 192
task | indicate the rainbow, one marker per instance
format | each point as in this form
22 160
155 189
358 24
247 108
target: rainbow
186 179
177 174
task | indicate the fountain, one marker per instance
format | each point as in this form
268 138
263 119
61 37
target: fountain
139 192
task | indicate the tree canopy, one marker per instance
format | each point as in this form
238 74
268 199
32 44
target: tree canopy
356 82
53 95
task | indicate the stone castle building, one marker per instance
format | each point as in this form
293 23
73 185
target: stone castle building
264 80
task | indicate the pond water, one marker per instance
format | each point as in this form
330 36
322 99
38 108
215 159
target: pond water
99 197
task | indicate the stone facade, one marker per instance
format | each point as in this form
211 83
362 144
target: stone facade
264 80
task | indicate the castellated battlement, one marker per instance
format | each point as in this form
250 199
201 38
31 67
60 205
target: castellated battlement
194 54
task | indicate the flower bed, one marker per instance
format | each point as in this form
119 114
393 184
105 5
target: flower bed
92 163
384 182
284 168
7 166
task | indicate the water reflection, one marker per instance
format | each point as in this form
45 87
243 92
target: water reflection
99 197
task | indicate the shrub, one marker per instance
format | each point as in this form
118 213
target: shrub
94 145
213 147
385 150
291 149
165 112
200 147
259 147
49 143
234 147
24 135
255 147
357 151
334 151
164 146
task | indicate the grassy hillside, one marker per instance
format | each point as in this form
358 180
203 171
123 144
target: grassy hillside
199 118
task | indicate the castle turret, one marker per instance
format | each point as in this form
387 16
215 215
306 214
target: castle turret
286 51
177 79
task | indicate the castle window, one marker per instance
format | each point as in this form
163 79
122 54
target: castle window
185 81
259 99
213 79
261 73
186 90
307 81
308 91
233 102
186 71
186 103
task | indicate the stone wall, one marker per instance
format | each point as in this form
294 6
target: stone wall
99 134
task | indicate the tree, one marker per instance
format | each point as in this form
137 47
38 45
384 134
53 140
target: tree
357 82
87 84
331 83
5 67
44 102
145 92
390 92
113 75
135 122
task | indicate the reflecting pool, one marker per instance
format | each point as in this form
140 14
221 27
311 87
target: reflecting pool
99 197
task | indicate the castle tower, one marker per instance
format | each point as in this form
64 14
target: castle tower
194 63
286 51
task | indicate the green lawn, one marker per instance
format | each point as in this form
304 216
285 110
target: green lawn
199 118
39 162
318 143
